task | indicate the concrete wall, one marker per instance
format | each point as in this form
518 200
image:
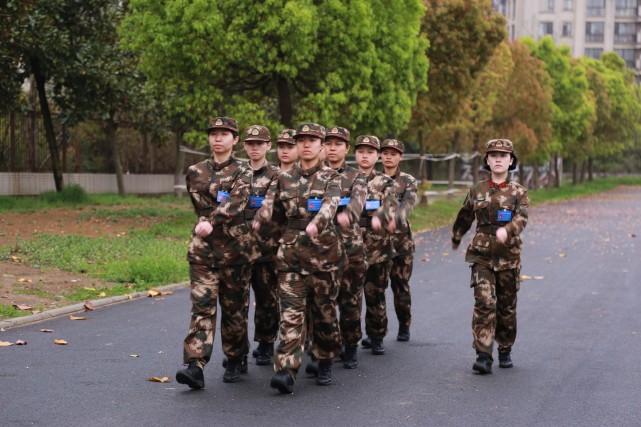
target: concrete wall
26 184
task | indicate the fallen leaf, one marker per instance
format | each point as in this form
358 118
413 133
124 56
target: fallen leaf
539 277
60 342
160 299
5 343
562 255
88 306
166 292
446 254
152 293
525 277
425 259
130 297
134 355
16 259
24 280
102 294
46 330
20 342
22 307
89 289
77 318
159 380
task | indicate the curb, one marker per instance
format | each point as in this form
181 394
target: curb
69 309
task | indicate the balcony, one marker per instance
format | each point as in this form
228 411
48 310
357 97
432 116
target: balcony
595 11
622 12
625 38
594 38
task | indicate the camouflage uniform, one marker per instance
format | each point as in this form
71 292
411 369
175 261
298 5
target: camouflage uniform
381 201
495 266
403 261
220 262
306 266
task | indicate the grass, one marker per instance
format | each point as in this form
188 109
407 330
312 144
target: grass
9 312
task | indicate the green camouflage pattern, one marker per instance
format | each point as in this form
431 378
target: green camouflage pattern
269 235
406 189
378 245
228 123
376 281
400 274
264 282
482 204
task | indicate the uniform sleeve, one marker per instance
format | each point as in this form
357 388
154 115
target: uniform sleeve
358 195
519 221
409 200
464 219
233 206
273 193
331 199
200 198
389 204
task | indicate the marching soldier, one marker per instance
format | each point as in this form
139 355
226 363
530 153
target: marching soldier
220 254
308 259
392 151
286 149
500 209
380 210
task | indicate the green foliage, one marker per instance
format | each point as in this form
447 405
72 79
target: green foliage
10 312
70 195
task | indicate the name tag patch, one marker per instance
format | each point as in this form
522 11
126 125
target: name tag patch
256 201
371 205
221 196
503 215
344 201
314 205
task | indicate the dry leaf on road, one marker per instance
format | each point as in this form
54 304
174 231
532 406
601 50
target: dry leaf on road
22 307
20 342
46 330
159 380
23 280
88 306
60 342
5 343
77 318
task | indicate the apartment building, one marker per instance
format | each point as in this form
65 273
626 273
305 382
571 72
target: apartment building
588 27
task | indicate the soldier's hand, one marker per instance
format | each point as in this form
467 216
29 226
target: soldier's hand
343 220
391 226
203 229
501 235
455 244
256 225
311 230
376 223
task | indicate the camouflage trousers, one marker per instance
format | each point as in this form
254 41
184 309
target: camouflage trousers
293 291
400 279
264 281
207 285
350 301
376 280
494 308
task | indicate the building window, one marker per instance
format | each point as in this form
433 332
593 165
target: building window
595 7
546 28
567 29
546 5
567 5
593 53
628 56
625 32
626 8
594 32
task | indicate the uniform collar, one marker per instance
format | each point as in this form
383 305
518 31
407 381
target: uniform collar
500 185
219 166
312 170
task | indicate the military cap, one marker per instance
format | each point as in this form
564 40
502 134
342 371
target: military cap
287 136
503 146
370 140
311 129
338 132
257 133
223 123
393 143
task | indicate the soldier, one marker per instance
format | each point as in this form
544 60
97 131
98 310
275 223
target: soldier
353 194
264 280
286 149
219 256
500 209
405 185
380 209
308 259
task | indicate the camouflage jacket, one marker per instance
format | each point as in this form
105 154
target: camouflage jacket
406 189
231 241
381 202
269 234
294 190
354 187
491 205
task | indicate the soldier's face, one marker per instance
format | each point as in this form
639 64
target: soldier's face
366 156
499 162
309 147
391 158
287 153
221 141
336 150
257 150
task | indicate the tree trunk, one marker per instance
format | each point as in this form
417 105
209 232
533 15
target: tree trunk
77 155
584 165
31 126
110 133
64 143
284 101
535 177
575 178
48 124
12 140
180 160
590 169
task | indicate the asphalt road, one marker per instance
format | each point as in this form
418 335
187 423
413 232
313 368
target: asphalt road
576 357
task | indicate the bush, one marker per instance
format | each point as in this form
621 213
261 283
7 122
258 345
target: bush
71 194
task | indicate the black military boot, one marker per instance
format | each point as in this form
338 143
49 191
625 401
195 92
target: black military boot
243 367
283 380
377 347
324 372
192 375
312 367
264 353
349 357
403 333
483 365
234 368
366 343
505 360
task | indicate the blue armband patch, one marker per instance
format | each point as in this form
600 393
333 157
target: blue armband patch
221 196
344 201
504 215
314 205
372 205
256 201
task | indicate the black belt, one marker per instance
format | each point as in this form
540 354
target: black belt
489 229
249 213
365 222
298 224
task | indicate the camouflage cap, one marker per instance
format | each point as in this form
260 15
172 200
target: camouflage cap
257 133
503 146
311 129
338 132
394 143
223 123
287 136
370 140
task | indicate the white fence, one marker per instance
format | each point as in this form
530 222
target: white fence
27 184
